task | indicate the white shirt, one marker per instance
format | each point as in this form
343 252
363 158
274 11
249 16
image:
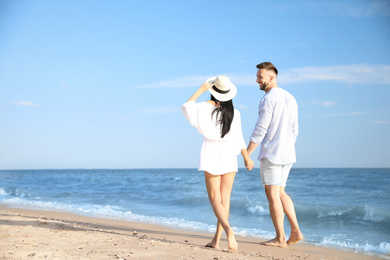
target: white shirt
218 155
277 127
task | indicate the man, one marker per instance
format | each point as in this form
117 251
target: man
276 130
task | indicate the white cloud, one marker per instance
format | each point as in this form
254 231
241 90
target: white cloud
150 111
350 74
328 103
382 122
159 110
320 103
345 8
25 104
355 74
127 117
187 81
242 107
347 114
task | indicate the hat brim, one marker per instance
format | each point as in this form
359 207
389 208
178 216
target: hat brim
219 96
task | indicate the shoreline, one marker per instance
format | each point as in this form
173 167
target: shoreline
30 233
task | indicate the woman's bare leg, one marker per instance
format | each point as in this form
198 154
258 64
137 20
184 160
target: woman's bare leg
219 189
226 189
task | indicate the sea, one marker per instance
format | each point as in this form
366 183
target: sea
338 208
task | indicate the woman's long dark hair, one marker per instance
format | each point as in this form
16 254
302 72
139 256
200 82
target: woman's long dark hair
227 113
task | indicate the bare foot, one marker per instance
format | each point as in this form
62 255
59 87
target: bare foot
212 245
295 238
233 246
274 242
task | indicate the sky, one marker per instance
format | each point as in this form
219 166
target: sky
100 84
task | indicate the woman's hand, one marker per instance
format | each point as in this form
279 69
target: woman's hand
203 88
249 164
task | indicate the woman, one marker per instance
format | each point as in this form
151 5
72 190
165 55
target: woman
220 124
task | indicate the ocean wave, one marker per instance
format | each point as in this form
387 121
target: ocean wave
333 213
18 192
377 215
246 205
253 232
382 248
257 210
109 211
115 212
364 214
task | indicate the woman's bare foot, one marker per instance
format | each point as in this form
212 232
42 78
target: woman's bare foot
274 242
233 246
213 244
295 237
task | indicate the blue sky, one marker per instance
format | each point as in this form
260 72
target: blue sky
99 84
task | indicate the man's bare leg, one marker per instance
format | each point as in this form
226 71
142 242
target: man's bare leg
277 215
288 207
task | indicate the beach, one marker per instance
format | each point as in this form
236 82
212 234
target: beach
36 234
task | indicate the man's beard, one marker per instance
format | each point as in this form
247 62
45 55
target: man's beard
264 85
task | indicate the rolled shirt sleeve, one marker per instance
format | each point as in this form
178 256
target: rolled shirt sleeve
295 126
263 122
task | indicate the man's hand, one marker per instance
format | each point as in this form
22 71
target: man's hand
249 164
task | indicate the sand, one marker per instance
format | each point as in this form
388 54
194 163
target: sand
34 234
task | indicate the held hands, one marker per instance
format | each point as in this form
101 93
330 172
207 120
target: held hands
249 164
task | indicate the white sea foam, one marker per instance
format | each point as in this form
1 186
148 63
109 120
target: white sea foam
332 213
109 211
253 232
115 212
257 209
383 248
375 214
2 192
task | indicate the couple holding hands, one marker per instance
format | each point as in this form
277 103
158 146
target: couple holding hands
276 131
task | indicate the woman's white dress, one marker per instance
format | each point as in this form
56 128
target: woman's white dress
218 155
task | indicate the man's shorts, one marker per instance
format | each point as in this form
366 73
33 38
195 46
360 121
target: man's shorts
274 174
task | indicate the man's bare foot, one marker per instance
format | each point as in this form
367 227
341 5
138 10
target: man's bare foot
274 242
212 244
295 238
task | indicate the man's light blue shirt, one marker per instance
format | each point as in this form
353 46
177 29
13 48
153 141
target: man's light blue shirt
277 127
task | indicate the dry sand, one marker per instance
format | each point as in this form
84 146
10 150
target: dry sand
33 234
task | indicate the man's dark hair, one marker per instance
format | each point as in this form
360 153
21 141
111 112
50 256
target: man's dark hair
268 66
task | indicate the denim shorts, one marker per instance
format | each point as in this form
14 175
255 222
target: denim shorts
274 174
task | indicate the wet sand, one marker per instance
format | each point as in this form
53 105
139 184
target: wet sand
35 234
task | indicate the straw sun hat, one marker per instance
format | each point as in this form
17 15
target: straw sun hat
223 89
